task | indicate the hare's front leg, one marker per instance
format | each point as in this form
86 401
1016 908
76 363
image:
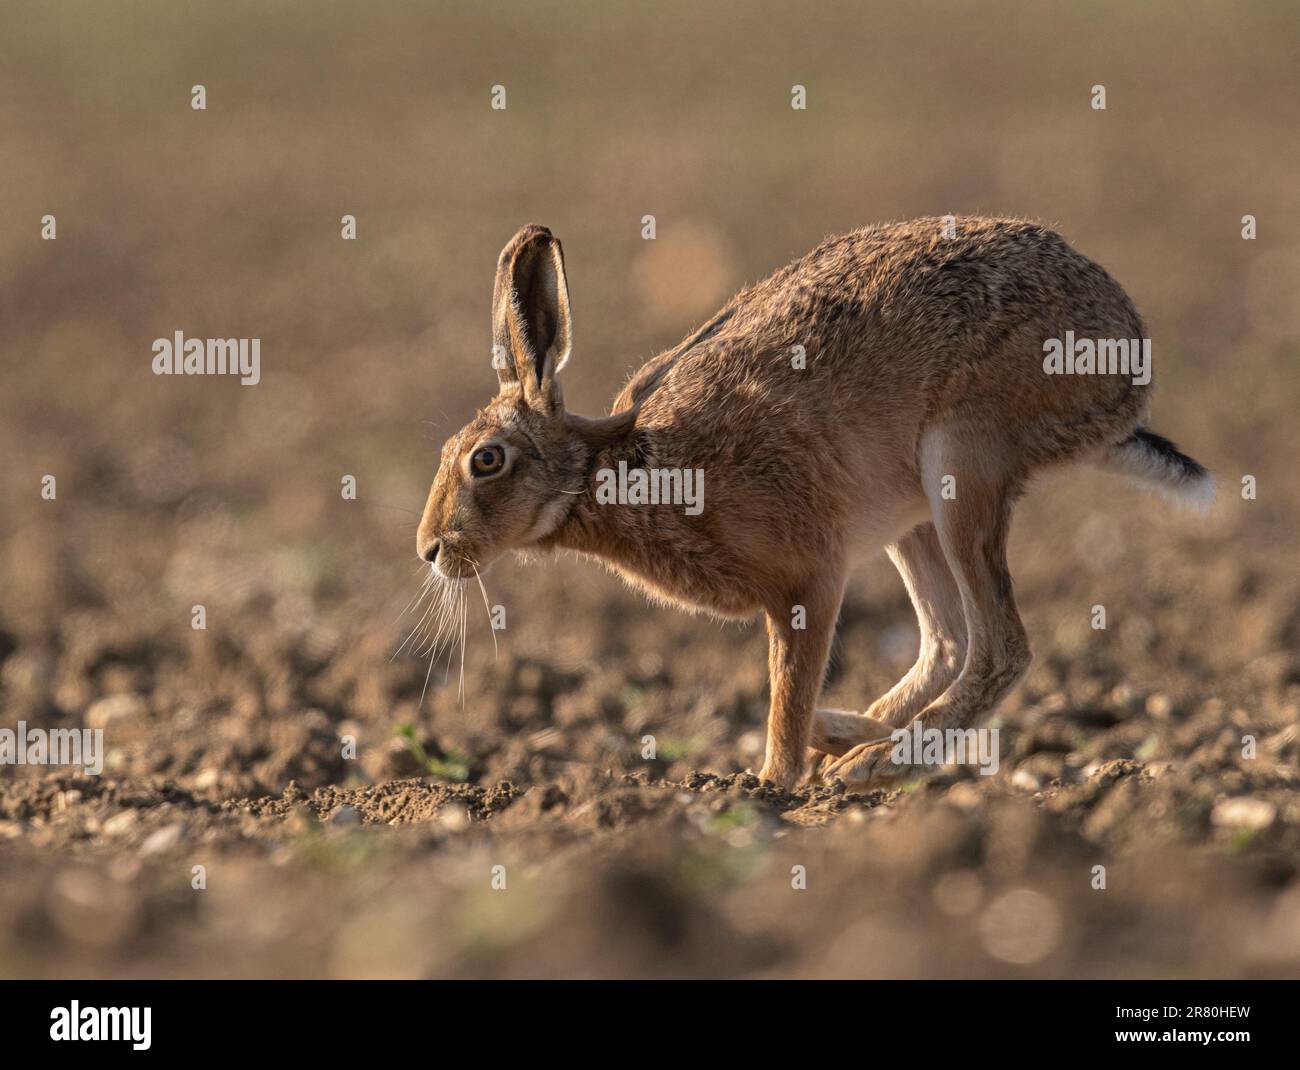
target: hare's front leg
799 643
972 529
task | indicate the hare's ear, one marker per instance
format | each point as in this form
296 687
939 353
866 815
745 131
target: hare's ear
532 332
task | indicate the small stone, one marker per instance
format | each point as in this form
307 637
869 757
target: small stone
1244 812
206 779
1025 780
1160 706
346 815
1126 698
965 795
454 818
119 824
115 709
161 840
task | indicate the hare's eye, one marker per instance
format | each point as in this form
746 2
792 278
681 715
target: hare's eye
487 460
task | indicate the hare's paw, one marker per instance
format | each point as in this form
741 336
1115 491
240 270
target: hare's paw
783 777
836 732
868 765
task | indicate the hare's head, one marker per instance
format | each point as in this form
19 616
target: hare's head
508 478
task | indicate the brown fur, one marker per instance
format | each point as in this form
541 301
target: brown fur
924 360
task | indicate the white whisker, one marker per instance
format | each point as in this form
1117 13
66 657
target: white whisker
486 606
463 615
418 626
419 595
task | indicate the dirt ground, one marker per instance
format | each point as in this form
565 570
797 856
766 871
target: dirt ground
1144 820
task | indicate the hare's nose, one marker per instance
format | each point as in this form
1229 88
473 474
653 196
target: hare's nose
430 550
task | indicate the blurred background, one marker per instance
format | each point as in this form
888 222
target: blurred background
1122 747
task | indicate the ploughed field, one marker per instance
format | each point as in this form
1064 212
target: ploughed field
341 831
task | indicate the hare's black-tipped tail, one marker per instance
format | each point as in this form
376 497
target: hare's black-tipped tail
1154 460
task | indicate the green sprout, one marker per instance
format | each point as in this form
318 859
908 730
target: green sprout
454 766
737 816
676 750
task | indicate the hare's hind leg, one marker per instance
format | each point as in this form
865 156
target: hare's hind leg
920 560
918 556
972 523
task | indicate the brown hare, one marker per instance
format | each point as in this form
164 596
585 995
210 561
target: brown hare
893 388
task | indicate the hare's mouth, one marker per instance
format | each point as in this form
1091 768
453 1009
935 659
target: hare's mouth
451 570
456 566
